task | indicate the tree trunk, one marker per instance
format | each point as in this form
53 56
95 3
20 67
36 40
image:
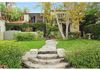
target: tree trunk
0 14
60 27
67 25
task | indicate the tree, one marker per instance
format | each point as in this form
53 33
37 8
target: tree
91 17
46 8
77 14
59 25
68 8
2 9
74 13
10 13
14 14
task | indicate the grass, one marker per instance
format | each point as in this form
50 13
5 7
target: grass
12 51
82 53
78 44
26 44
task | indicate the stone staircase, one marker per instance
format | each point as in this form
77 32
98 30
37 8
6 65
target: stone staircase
46 57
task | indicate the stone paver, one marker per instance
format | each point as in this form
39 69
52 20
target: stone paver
49 56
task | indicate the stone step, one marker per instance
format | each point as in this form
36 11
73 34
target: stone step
47 56
29 64
47 50
47 61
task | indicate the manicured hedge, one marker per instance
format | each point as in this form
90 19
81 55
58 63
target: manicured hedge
28 36
23 36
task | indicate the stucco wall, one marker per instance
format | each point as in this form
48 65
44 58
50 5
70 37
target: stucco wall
1 35
2 26
74 28
26 18
9 35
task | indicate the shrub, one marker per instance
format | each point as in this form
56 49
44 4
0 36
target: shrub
28 36
10 55
55 34
13 27
39 26
74 35
40 34
94 29
89 58
24 36
21 27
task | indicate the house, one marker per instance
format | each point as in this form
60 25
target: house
35 17
29 18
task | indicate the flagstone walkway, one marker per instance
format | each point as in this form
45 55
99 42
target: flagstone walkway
49 56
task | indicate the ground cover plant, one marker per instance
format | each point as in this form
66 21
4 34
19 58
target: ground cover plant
82 53
12 51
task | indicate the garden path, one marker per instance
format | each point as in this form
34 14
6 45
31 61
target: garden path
46 57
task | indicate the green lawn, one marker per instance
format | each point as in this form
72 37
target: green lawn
82 53
78 44
25 44
12 51
79 53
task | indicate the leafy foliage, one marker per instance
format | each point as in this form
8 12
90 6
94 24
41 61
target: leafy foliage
47 7
88 58
11 26
94 29
39 26
10 55
13 14
2 7
21 27
10 13
24 36
12 51
28 36
77 14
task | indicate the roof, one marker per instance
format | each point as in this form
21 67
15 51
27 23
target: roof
34 14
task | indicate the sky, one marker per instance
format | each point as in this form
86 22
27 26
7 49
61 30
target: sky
32 6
